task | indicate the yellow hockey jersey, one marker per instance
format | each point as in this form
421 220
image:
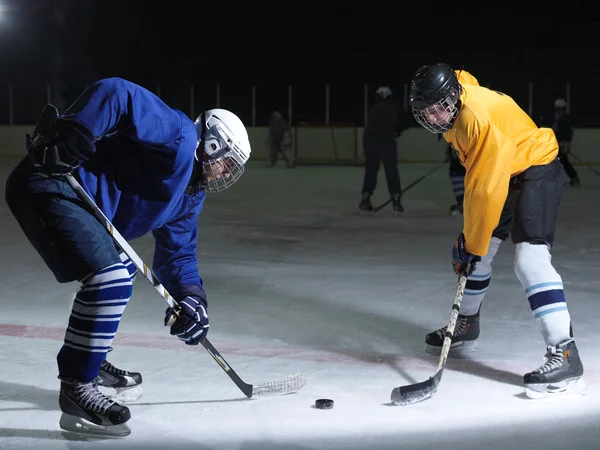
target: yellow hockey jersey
495 140
465 77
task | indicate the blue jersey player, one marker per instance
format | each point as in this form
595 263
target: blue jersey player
148 167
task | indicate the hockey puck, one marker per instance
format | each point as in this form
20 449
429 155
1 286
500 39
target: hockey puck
324 403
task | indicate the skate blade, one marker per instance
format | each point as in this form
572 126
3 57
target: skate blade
126 395
456 350
85 427
572 386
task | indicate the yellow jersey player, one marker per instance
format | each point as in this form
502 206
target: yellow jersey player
513 186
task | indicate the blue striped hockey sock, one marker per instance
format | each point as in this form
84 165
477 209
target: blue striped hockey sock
94 321
128 263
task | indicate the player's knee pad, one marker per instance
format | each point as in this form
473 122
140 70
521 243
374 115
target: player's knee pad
533 267
110 283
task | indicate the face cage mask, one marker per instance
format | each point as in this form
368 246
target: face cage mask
439 117
222 162
219 174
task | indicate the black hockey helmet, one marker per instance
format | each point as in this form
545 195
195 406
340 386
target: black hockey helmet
434 95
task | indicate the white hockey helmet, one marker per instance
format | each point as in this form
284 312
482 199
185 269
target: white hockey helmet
223 148
560 103
383 92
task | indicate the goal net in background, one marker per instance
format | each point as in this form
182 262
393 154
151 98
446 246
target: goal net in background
327 143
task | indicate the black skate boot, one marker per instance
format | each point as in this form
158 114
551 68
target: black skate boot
456 210
466 333
561 372
397 205
127 384
86 410
365 203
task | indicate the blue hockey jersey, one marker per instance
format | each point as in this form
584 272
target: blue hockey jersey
140 171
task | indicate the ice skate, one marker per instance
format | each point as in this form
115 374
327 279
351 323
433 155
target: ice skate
365 205
86 410
561 372
126 384
397 204
466 333
456 210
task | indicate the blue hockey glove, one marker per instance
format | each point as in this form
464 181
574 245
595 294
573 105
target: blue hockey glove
461 258
191 324
58 147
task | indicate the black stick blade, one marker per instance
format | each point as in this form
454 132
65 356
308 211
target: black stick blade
417 392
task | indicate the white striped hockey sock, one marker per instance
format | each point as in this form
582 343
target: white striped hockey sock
544 289
479 281
94 321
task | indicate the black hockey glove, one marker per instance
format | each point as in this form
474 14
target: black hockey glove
57 147
463 262
191 323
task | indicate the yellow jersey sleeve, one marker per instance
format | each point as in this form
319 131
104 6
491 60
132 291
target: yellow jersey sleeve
486 186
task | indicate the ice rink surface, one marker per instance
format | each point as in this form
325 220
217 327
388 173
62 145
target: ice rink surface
298 282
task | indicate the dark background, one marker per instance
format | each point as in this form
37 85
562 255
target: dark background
169 46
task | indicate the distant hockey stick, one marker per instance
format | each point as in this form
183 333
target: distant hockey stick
586 165
417 392
411 185
281 386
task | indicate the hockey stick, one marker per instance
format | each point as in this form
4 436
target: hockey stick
281 386
586 165
417 392
418 180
